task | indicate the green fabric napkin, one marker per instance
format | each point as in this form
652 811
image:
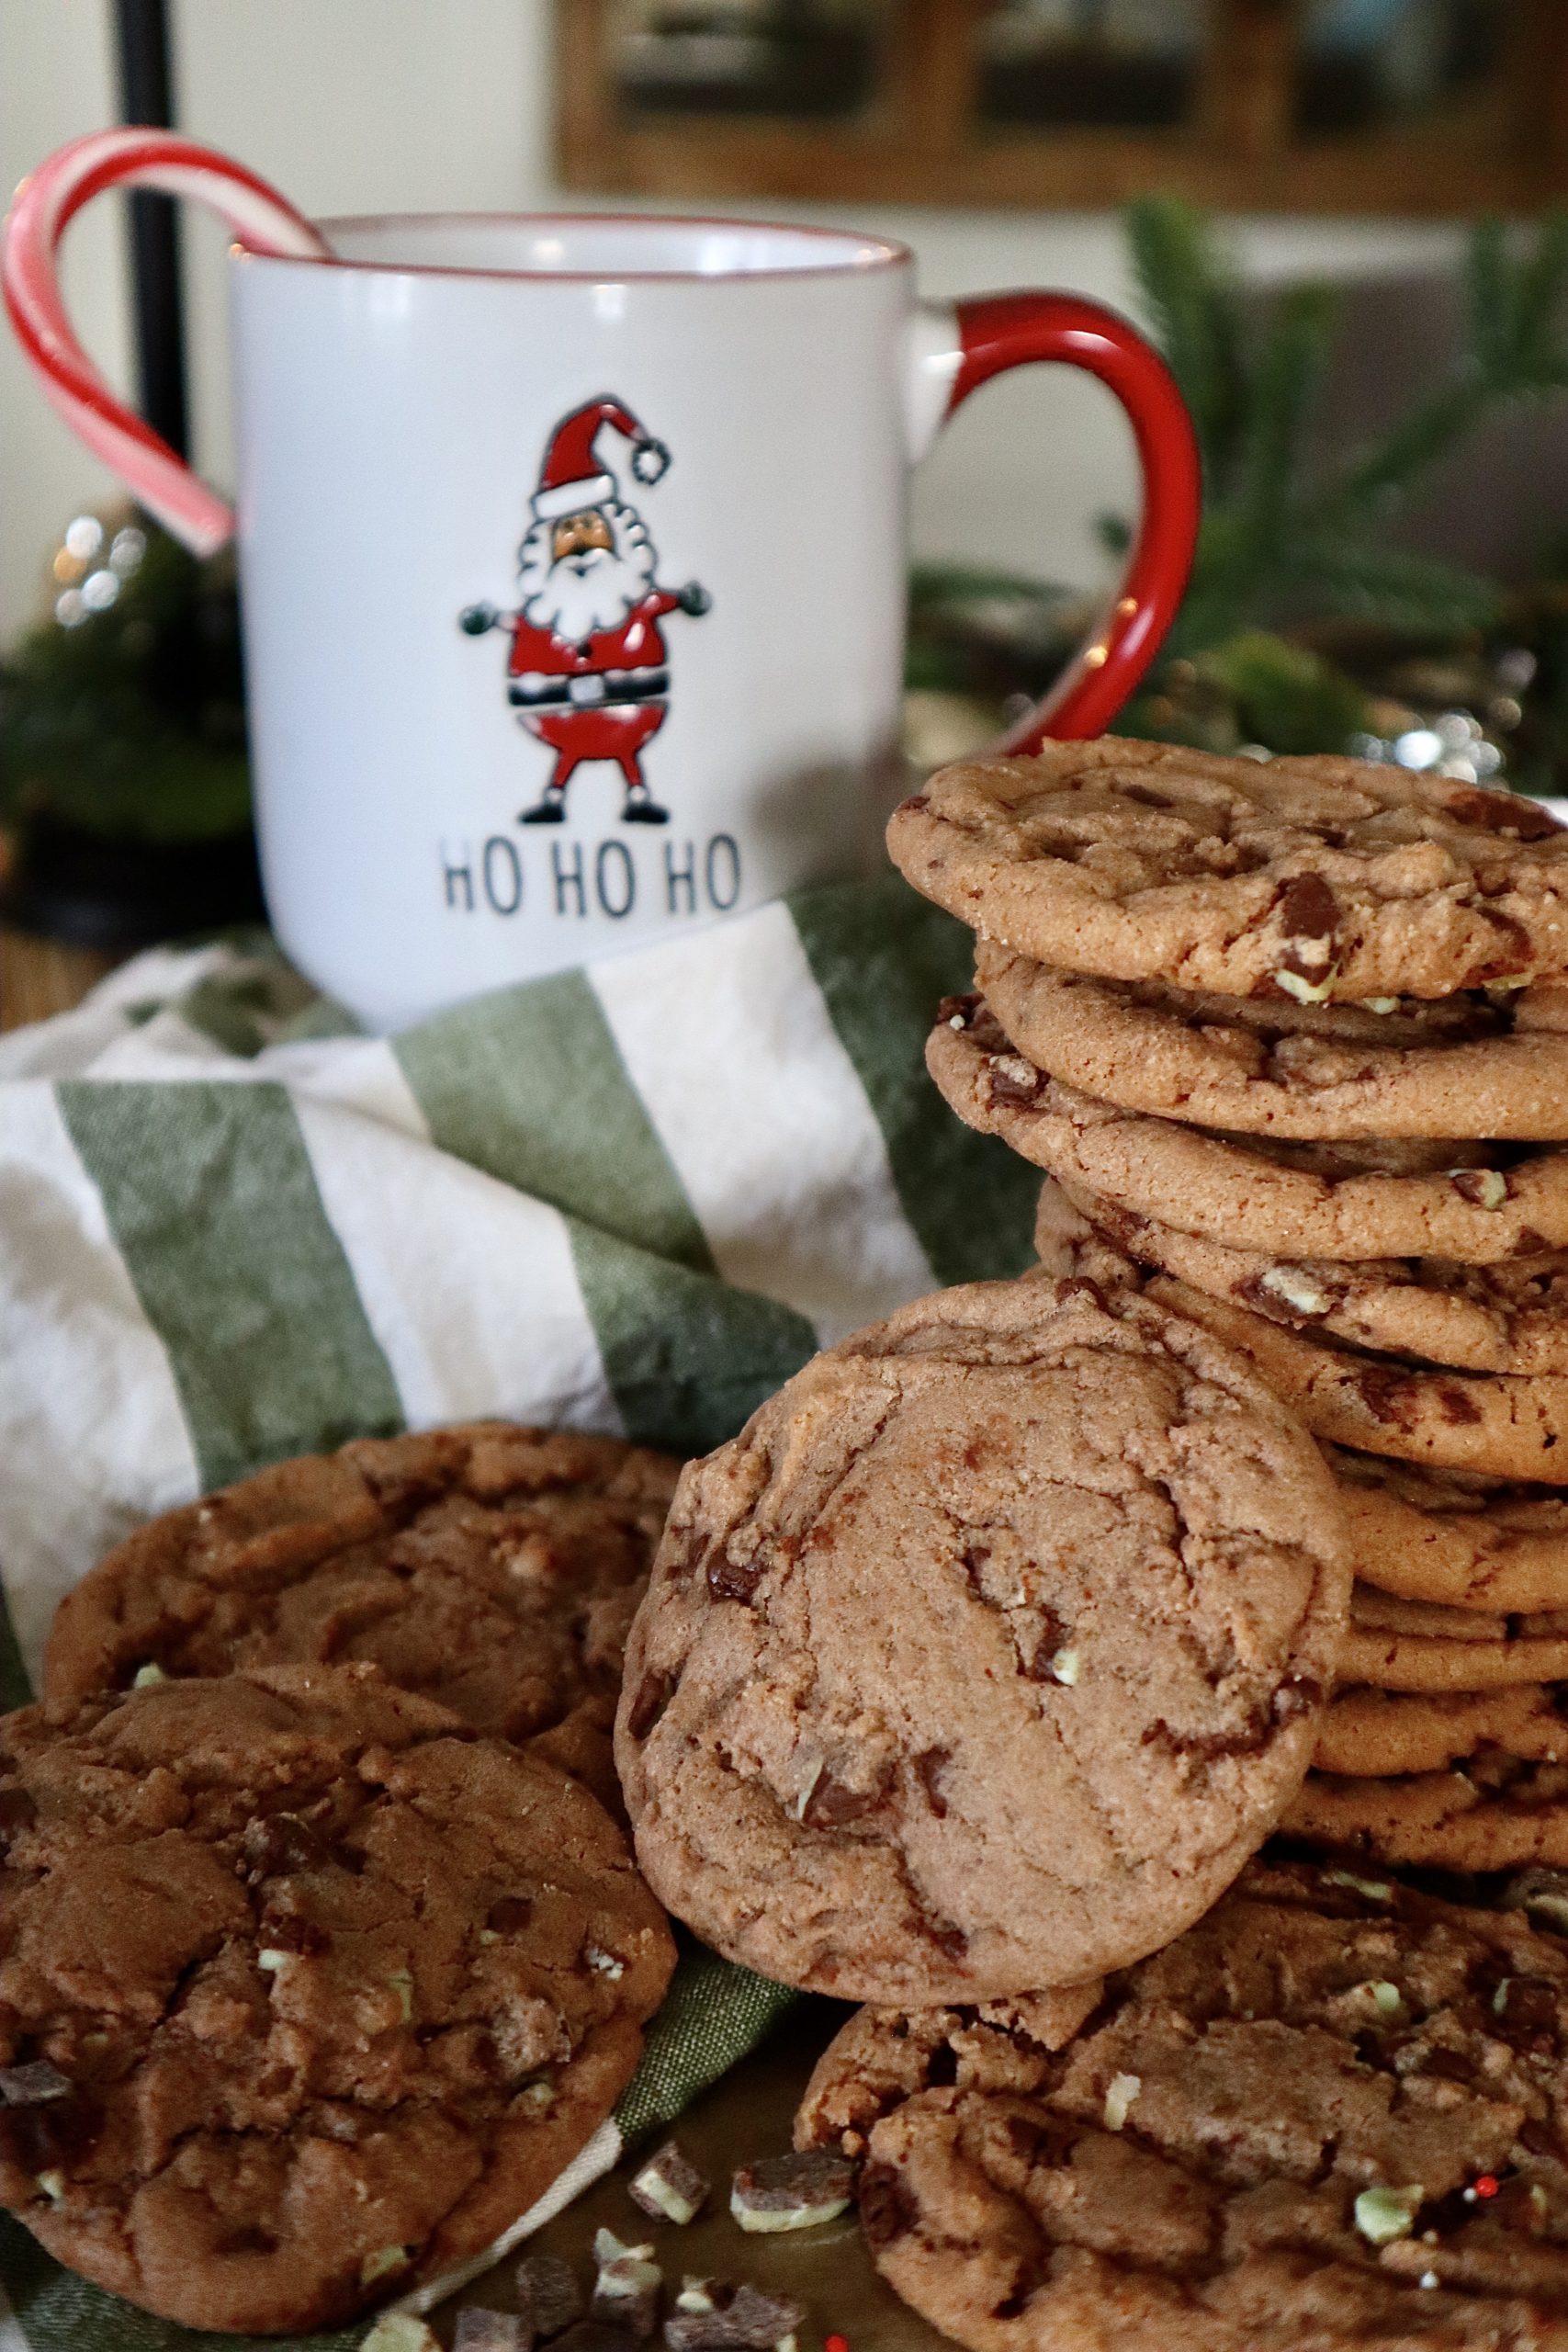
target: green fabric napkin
632 1198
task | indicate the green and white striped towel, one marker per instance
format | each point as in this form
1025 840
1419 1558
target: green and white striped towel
632 1198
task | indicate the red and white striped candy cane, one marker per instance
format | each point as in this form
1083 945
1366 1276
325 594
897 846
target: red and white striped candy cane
45 204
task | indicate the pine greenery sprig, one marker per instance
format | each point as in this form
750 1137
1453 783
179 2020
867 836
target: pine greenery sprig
1277 543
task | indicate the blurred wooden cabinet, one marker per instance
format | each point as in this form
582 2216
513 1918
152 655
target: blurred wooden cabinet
1336 106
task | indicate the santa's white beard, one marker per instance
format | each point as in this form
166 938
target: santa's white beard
575 604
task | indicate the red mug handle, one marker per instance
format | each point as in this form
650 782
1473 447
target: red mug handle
43 208
996 332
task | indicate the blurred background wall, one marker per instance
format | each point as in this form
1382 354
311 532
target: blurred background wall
401 105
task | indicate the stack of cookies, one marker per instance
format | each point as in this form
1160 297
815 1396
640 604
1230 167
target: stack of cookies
320 1961
1293 1038
970 1677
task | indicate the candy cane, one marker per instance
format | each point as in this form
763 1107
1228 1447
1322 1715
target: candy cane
44 205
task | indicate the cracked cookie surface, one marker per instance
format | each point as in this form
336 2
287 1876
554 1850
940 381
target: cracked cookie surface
491 1567
1260 2141
1318 879
998 1637
325 1988
1395 1198
1475 1064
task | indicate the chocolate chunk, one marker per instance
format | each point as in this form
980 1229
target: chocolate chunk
1045 1645
887 2211
1144 795
654 1693
1458 1405
1308 909
1081 1286
830 1804
928 1766
745 2321
734 1579
1386 1394
1447 2067
52 2134
1503 812
510 1915
478 2330
1009 1086
957 1012
17 1810
280 1845
947 1937
549 2296
669 2187
1488 1188
792 2192
1525 2011
31 2084
287 1931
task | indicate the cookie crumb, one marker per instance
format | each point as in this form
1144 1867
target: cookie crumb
549 2296
669 2187
627 2286
711 2315
1065 1667
482 2331
792 2192
401 2332
34 2084
146 1676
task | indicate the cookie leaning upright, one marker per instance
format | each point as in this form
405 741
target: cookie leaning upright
998 1638
1313 879
306 1991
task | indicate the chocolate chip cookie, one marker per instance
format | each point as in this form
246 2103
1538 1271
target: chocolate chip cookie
1316 879
1507 1427
1480 1064
307 1991
1510 1317
1454 1537
493 1569
1492 1811
1379 1735
1395 1644
1329 2116
983 1656
1446 1198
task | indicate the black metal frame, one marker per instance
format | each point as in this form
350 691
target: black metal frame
146 94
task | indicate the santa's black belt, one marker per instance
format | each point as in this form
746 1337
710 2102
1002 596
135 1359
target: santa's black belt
619 686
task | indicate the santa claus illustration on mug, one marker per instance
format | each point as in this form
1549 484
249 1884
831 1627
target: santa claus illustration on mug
588 672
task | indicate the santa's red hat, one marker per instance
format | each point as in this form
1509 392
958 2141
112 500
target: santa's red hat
571 479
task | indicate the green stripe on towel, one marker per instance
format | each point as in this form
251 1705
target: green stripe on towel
213 1203
528 1085
884 959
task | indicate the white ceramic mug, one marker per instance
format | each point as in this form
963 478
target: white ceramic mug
572 554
